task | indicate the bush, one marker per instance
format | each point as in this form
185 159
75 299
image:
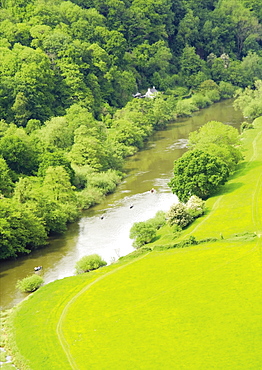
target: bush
197 173
226 89
213 95
89 197
179 215
201 101
195 206
246 126
158 221
143 233
30 283
106 181
89 263
185 108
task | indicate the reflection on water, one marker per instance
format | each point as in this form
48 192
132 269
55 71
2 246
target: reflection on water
109 237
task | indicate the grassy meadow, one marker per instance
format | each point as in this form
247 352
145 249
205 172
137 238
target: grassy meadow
188 308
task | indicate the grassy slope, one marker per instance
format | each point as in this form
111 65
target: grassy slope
193 308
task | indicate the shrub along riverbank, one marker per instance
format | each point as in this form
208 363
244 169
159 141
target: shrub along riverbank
200 306
72 162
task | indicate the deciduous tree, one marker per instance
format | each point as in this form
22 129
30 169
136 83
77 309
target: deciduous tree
197 173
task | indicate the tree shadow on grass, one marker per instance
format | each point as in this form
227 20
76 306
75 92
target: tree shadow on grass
229 188
157 237
245 167
242 169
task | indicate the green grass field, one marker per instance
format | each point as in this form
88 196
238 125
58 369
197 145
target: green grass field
191 308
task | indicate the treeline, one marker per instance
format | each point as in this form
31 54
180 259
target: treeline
98 52
67 116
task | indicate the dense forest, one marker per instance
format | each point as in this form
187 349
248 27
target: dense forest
69 73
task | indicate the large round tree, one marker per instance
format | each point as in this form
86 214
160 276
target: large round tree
197 173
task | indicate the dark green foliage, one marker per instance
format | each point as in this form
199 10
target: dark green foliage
88 263
246 126
198 173
6 183
30 283
20 229
18 154
185 243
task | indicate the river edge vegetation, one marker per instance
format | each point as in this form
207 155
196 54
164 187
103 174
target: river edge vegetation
200 305
68 72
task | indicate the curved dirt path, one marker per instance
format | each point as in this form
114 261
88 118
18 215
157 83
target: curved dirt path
59 326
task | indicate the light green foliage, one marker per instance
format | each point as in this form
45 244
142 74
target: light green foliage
226 89
30 283
88 263
185 107
55 134
198 173
65 66
213 95
142 233
179 215
219 140
195 206
89 197
210 89
88 149
246 126
250 101
54 159
106 181
159 220
201 100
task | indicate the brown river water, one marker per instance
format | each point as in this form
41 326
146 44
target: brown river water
109 237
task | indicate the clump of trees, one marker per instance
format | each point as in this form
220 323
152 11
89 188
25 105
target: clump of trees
183 214
89 263
144 232
198 173
214 154
67 75
249 100
219 140
30 283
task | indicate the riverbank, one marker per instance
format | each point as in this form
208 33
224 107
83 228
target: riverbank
202 309
148 168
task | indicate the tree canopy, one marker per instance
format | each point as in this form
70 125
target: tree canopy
197 173
68 74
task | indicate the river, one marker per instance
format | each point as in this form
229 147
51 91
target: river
109 237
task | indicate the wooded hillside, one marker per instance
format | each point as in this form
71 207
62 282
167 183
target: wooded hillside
68 73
